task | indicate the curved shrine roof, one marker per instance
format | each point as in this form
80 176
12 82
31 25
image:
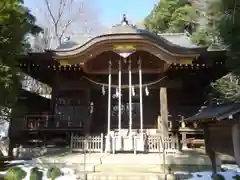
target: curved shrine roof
177 43
67 45
180 39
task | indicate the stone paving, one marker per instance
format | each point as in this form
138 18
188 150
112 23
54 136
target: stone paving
129 166
98 163
99 166
187 157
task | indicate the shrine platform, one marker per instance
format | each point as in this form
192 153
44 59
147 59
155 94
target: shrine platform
188 157
153 162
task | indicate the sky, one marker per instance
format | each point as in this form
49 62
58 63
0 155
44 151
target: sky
136 10
111 11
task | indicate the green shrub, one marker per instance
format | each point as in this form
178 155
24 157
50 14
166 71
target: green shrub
223 170
237 177
36 174
53 173
218 177
15 173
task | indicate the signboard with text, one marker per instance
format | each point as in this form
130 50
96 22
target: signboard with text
124 50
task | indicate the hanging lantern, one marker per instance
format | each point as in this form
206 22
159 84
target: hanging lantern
146 91
117 93
103 90
133 91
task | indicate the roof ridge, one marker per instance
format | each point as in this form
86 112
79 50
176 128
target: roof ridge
171 34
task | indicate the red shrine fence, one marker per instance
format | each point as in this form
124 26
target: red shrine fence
151 144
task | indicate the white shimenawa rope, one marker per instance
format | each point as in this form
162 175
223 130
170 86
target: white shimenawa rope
125 86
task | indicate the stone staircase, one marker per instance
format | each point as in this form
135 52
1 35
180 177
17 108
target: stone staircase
124 176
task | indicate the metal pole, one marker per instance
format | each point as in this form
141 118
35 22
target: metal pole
109 96
130 97
85 158
141 95
162 143
119 96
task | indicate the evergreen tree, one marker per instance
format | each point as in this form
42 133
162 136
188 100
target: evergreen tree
215 26
15 23
228 87
170 16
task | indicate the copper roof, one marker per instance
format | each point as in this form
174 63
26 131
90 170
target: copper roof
67 45
173 43
217 112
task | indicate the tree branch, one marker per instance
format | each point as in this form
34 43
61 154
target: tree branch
50 11
61 9
3 6
65 28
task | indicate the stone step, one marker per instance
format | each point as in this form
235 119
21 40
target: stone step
156 159
148 168
117 168
124 176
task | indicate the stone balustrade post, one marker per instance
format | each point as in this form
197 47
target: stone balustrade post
184 141
113 144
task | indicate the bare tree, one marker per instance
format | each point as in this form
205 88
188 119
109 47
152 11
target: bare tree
66 18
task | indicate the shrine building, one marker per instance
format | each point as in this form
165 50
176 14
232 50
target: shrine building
124 86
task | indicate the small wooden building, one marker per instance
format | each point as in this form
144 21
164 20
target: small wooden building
126 82
224 127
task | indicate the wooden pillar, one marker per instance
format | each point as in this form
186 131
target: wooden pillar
209 148
53 122
90 106
140 94
109 96
119 96
130 97
164 111
55 92
53 100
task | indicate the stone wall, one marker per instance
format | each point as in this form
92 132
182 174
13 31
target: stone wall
38 151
